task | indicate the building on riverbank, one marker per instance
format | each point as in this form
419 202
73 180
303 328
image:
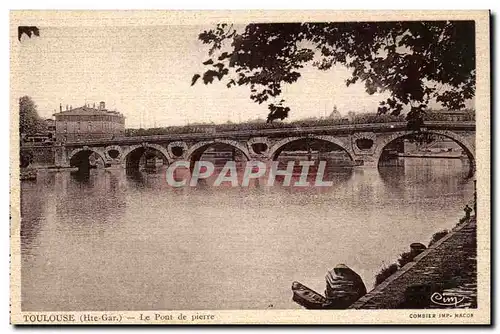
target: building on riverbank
82 123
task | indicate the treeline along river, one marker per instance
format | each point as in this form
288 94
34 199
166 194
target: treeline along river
112 241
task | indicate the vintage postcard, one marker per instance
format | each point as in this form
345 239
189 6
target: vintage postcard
250 167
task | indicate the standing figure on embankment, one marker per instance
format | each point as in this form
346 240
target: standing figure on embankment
467 210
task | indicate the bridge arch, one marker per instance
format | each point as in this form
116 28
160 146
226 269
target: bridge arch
131 156
195 151
280 145
80 155
457 138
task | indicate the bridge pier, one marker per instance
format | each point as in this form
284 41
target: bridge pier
61 157
366 161
114 164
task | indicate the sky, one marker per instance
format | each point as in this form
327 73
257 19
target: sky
145 73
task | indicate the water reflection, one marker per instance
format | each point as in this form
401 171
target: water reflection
438 176
136 176
89 198
111 239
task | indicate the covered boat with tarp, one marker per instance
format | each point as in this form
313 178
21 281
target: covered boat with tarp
343 287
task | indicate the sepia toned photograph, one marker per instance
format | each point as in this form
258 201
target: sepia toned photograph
250 167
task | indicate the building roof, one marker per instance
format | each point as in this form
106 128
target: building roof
87 111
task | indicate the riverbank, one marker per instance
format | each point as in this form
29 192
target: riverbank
30 173
440 276
448 268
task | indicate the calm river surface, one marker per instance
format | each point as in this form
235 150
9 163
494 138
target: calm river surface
118 242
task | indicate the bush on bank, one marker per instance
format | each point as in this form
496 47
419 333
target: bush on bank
405 258
385 272
437 236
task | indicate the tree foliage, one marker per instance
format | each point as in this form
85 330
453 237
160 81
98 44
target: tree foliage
416 62
29 121
28 31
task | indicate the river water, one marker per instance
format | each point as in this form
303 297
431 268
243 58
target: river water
112 241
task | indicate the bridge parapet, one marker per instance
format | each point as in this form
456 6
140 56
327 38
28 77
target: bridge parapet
277 132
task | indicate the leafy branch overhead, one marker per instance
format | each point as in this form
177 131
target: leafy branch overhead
28 31
415 62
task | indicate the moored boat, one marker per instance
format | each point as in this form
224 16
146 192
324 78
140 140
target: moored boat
343 287
307 297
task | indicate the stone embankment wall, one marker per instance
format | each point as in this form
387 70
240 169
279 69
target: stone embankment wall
448 267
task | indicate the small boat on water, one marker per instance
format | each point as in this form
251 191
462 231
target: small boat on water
307 297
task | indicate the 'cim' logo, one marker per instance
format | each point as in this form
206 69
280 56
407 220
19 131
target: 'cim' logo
439 299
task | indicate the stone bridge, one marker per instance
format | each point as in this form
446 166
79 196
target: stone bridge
263 145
